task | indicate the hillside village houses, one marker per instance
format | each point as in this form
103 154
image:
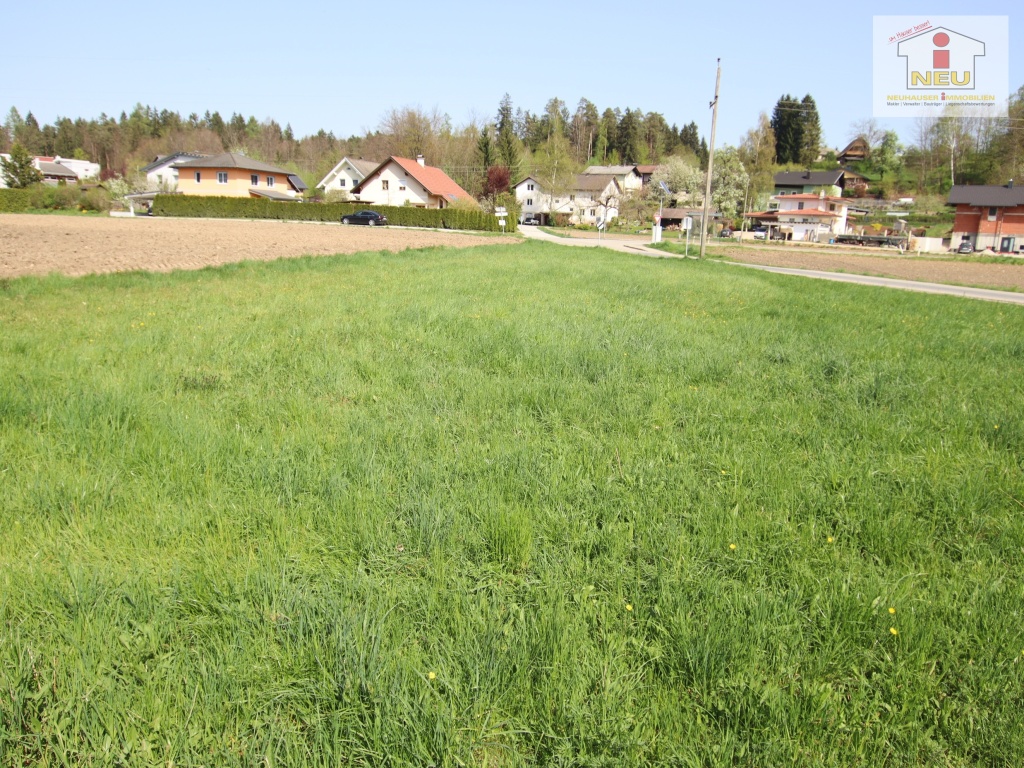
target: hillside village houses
401 181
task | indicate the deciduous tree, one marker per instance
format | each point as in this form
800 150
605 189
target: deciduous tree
684 179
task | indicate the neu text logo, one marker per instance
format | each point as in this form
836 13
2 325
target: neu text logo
941 58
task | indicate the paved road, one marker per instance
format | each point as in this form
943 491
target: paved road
631 246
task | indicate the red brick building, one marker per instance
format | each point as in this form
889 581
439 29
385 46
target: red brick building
989 216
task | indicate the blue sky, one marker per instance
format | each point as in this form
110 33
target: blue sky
341 66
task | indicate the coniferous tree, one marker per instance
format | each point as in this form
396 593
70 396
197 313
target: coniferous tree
810 139
507 142
19 172
788 127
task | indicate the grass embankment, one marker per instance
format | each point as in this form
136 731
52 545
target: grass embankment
508 506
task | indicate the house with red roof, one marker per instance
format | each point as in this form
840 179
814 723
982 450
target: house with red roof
401 181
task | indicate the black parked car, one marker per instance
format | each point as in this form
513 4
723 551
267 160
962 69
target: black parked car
370 218
966 246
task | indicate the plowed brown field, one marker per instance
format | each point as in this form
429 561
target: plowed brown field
74 245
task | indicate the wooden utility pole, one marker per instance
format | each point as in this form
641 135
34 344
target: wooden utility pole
711 162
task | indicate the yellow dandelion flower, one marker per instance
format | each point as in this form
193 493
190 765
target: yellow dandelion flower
431 675
891 609
829 539
732 546
893 631
629 607
996 426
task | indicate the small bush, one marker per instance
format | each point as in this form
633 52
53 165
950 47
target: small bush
94 200
58 198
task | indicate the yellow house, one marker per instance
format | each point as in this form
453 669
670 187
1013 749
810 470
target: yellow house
234 175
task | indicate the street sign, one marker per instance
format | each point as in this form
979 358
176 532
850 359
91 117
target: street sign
657 219
501 222
688 223
664 188
500 212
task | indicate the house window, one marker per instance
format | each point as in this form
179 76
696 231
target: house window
401 188
799 206
831 206
341 182
270 181
571 198
529 201
593 211
529 187
384 185
222 177
199 177
992 213
255 179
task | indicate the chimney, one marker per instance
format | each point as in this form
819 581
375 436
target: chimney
1011 184
419 159
807 173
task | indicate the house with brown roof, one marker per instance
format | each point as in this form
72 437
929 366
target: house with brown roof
234 175
593 199
629 177
401 181
989 216
590 199
855 151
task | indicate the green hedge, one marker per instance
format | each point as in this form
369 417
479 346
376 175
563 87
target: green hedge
14 200
261 208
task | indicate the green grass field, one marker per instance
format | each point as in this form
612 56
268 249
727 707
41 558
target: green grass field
506 506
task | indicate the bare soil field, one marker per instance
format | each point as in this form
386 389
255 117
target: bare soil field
1009 277
74 245
939 269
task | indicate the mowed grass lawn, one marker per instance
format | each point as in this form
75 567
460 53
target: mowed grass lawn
507 506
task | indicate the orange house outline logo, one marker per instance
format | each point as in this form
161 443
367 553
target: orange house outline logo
941 58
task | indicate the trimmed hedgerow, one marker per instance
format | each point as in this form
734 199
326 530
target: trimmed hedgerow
14 200
258 208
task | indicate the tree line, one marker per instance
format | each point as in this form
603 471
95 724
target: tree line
523 141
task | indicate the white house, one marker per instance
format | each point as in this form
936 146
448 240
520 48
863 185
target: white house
595 198
533 201
401 181
83 169
161 174
347 174
807 217
591 198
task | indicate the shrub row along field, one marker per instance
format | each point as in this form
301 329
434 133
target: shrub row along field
253 208
522 505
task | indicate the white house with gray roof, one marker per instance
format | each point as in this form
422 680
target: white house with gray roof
347 174
162 173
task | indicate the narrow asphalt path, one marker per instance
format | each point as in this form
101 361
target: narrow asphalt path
630 246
